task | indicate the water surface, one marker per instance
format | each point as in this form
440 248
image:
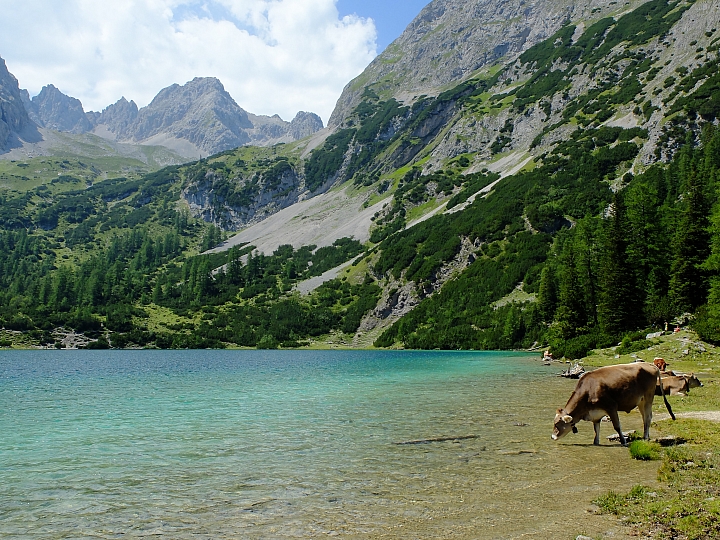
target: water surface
295 444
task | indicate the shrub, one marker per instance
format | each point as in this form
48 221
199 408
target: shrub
644 450
628 345
268 341
610 503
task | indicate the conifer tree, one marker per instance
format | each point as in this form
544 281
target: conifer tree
547 294
619 308
570 316
691 246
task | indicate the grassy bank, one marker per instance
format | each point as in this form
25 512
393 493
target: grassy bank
688 504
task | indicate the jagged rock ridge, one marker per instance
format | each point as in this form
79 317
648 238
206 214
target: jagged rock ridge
14 119
200 113
450 40
54 110
197 119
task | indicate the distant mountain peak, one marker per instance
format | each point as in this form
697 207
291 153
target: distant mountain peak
54 110
196 119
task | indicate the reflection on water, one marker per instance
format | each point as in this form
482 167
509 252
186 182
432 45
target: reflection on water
253 444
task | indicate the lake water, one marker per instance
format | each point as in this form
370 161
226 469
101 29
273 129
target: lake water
296 444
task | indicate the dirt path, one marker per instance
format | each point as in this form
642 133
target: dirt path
712 416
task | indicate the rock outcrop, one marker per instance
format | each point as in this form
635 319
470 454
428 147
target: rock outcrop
14 119
54 110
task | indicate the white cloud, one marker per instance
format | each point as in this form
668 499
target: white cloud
273 56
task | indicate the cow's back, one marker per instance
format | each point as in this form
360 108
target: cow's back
620 386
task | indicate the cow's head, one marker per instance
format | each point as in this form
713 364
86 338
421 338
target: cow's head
693 381
564 423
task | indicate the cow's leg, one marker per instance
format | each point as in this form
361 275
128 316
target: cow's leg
646 412
596 427
615 419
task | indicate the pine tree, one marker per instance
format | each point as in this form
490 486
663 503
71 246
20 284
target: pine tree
570 316
547 294
619 306
688 278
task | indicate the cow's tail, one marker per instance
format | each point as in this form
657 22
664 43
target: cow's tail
662 389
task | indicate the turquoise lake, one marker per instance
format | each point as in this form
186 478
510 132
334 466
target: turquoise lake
294 444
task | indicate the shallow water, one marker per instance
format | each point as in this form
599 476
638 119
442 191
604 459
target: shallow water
295 444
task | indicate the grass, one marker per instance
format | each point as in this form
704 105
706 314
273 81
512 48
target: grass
688 504
66 173
644 450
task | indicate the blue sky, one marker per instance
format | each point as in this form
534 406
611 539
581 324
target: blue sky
391 17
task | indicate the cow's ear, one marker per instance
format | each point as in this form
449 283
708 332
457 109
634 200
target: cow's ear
559 411
567 419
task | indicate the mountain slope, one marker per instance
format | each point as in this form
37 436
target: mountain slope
451 40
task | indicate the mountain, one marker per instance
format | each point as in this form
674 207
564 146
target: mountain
452 40
200 117
54 110
563 195
118 119
14 120
196 119
205 115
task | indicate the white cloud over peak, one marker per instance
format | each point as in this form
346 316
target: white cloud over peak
273 56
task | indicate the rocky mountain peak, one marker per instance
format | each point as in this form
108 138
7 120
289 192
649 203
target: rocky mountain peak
54 110
304 124
196 119
200 112
118 117
13 116
451 40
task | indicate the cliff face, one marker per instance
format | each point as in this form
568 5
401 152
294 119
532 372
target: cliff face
451 40
54 110
118 118
14 119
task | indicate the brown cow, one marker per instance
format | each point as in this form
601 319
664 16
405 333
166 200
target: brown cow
608 390
677 384
661 364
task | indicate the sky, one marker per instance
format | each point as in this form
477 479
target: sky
272 56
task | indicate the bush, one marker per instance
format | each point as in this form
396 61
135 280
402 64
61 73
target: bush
644 450
613 503
101 343
610 503
20 322
629 346
268 341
